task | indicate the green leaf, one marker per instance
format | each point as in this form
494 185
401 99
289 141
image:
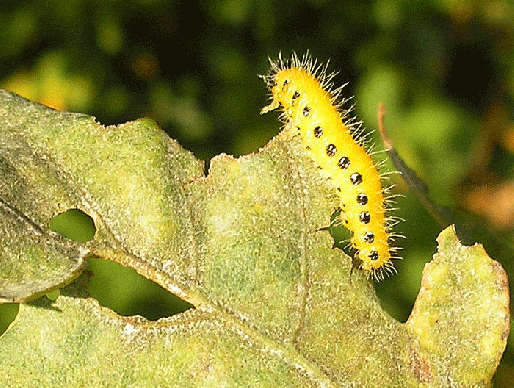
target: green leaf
461 315
34 260
275 305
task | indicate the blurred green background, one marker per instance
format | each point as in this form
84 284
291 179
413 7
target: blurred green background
444 69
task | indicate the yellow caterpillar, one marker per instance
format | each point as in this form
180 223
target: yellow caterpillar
302 90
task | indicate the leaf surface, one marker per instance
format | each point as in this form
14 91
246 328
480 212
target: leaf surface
275 305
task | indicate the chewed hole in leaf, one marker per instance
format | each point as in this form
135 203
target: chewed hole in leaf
74 224
124 291
8 312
